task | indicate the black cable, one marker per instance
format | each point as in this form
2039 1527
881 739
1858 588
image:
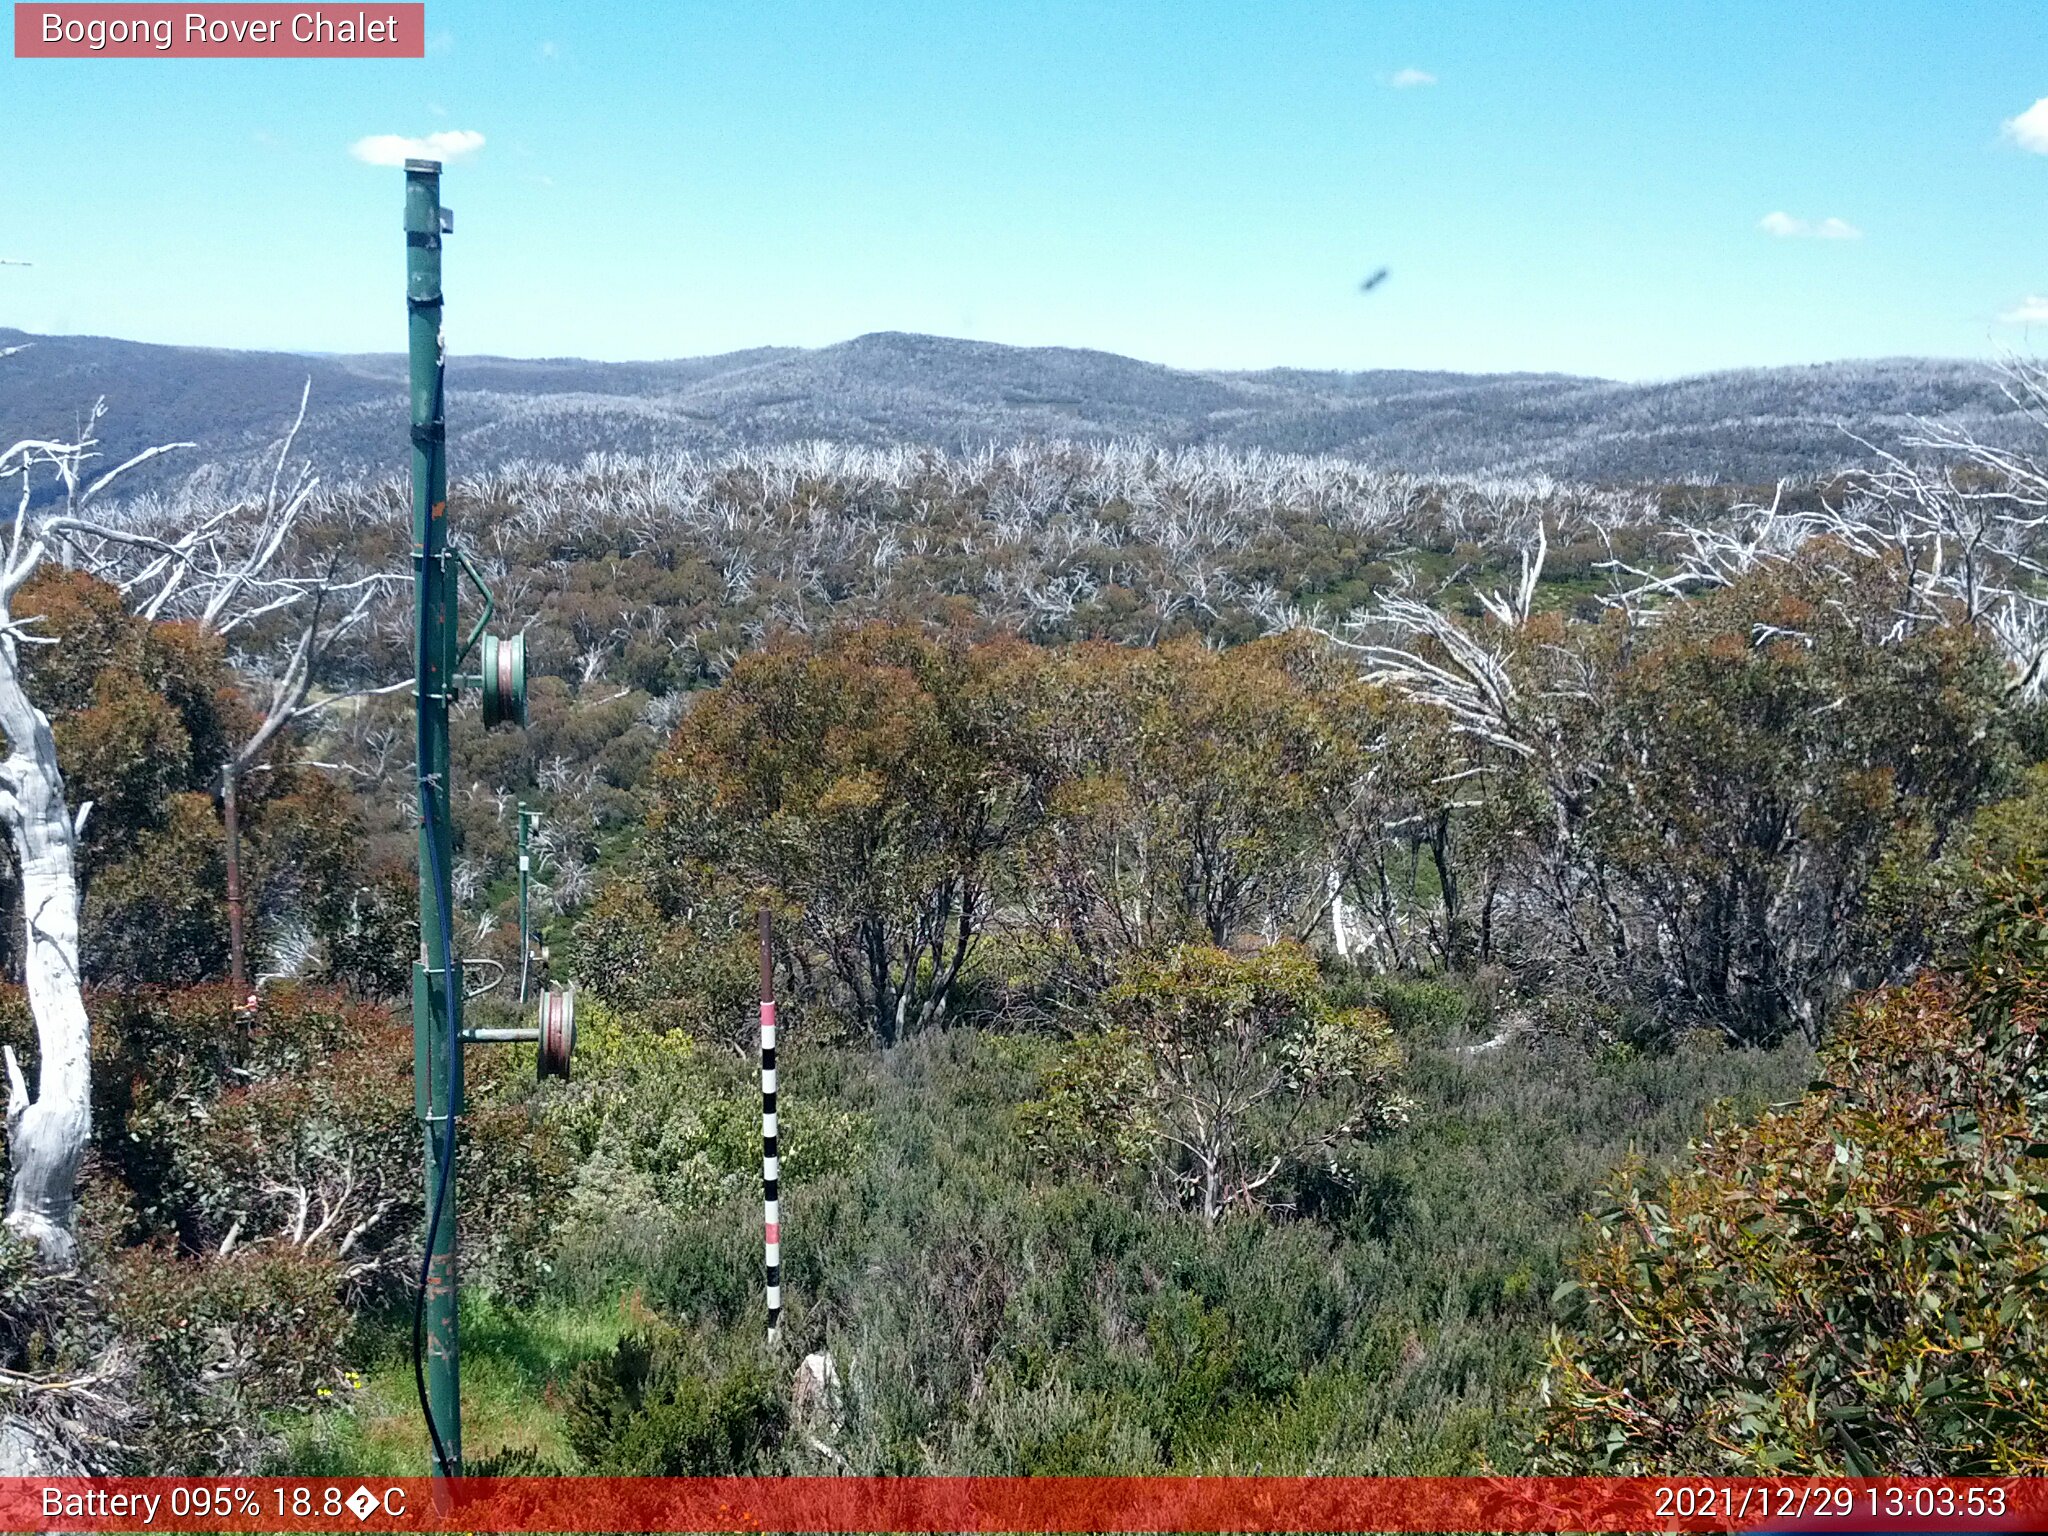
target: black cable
444 1159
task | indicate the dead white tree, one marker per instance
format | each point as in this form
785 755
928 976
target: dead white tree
1513 708
1965 524
1512 610
1707 556
47 1132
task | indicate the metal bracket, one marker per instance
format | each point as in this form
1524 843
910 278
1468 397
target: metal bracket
476 579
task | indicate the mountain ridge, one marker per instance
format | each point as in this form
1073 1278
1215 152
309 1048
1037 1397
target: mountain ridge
891 387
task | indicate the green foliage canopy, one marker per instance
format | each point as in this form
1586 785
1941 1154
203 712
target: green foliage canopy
1222 1072
1855 1283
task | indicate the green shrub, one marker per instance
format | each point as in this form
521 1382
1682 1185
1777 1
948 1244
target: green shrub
989 1316
658 1407
633 958
373 947
315 1151
657 1124
1022 979
1856 1283
1096 1116
1927 901
1424 1008
1224 1072
223 1343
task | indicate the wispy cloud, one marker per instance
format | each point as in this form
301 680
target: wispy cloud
1408 79
396 148
1786 227
2032 310
2030 129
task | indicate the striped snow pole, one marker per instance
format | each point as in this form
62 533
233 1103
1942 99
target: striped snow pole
771 1162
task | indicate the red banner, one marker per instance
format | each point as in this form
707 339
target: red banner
935 1504
372 30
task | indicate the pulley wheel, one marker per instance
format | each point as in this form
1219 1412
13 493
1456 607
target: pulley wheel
557 1031
504 681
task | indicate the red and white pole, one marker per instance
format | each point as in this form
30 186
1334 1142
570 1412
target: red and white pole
771 1162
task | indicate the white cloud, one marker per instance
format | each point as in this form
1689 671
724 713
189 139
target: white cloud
2032 310
396 149
1786 227
1407 79
2030 129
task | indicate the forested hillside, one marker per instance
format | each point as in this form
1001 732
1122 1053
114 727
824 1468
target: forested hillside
889 389
1285 965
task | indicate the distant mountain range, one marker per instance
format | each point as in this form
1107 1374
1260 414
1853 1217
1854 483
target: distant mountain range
1750 426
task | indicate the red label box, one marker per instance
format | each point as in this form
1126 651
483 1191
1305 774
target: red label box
1836 1506
367 29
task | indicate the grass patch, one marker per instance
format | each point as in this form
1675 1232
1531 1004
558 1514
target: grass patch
514 1363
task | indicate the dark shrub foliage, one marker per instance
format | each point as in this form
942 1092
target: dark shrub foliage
1854 1283
658 1407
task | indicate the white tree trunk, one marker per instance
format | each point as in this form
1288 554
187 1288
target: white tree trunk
1337 933
46 1136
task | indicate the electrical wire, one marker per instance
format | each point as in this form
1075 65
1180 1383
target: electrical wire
445 1156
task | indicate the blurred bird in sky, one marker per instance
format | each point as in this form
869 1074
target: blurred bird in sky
1374 281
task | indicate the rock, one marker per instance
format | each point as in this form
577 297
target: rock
815 1395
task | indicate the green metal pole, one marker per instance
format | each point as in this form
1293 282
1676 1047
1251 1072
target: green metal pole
437 1000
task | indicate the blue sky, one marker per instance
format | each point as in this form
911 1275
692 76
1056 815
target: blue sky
1576 186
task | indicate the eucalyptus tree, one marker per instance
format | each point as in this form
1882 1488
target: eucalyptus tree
1182 798
243 569
869 785
1710 778
1219 1074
